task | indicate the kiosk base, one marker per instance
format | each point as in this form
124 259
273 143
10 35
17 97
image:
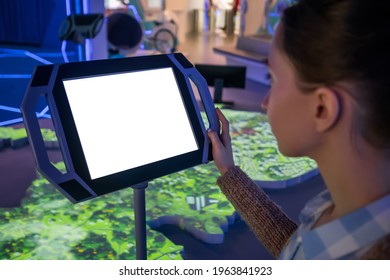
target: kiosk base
140 220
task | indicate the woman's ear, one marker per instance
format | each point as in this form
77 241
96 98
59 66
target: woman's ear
327 108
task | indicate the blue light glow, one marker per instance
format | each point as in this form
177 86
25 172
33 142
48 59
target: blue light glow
10 109
18 120
21 53
15 76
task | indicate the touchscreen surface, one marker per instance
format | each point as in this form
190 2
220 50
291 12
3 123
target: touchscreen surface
130 119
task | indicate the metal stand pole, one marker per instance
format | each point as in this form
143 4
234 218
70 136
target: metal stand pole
140 221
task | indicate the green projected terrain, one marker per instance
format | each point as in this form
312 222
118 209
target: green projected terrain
48 226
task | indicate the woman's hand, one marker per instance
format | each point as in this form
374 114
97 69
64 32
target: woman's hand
222 145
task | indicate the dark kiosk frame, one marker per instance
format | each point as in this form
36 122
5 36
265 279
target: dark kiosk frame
76 184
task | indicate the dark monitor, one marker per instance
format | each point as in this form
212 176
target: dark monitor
119 122
220 76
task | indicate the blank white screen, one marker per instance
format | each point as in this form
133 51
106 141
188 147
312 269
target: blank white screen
129 120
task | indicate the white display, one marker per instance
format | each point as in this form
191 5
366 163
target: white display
129 120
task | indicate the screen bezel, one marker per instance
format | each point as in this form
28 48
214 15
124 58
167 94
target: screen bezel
136 175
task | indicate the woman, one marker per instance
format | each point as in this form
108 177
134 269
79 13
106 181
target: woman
330 101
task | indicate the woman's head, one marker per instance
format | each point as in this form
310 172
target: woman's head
343 43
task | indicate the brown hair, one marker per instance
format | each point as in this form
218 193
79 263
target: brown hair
334 41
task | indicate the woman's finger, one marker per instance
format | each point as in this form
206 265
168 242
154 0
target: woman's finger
215 141
225 135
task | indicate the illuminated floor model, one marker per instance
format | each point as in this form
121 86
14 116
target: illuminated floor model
104 228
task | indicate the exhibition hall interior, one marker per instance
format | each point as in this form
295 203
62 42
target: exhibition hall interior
49 211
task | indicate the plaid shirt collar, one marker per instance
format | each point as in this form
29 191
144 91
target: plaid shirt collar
342 237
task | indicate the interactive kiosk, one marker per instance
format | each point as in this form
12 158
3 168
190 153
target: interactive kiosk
120 123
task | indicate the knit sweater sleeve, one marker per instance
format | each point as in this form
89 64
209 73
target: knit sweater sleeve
266 219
